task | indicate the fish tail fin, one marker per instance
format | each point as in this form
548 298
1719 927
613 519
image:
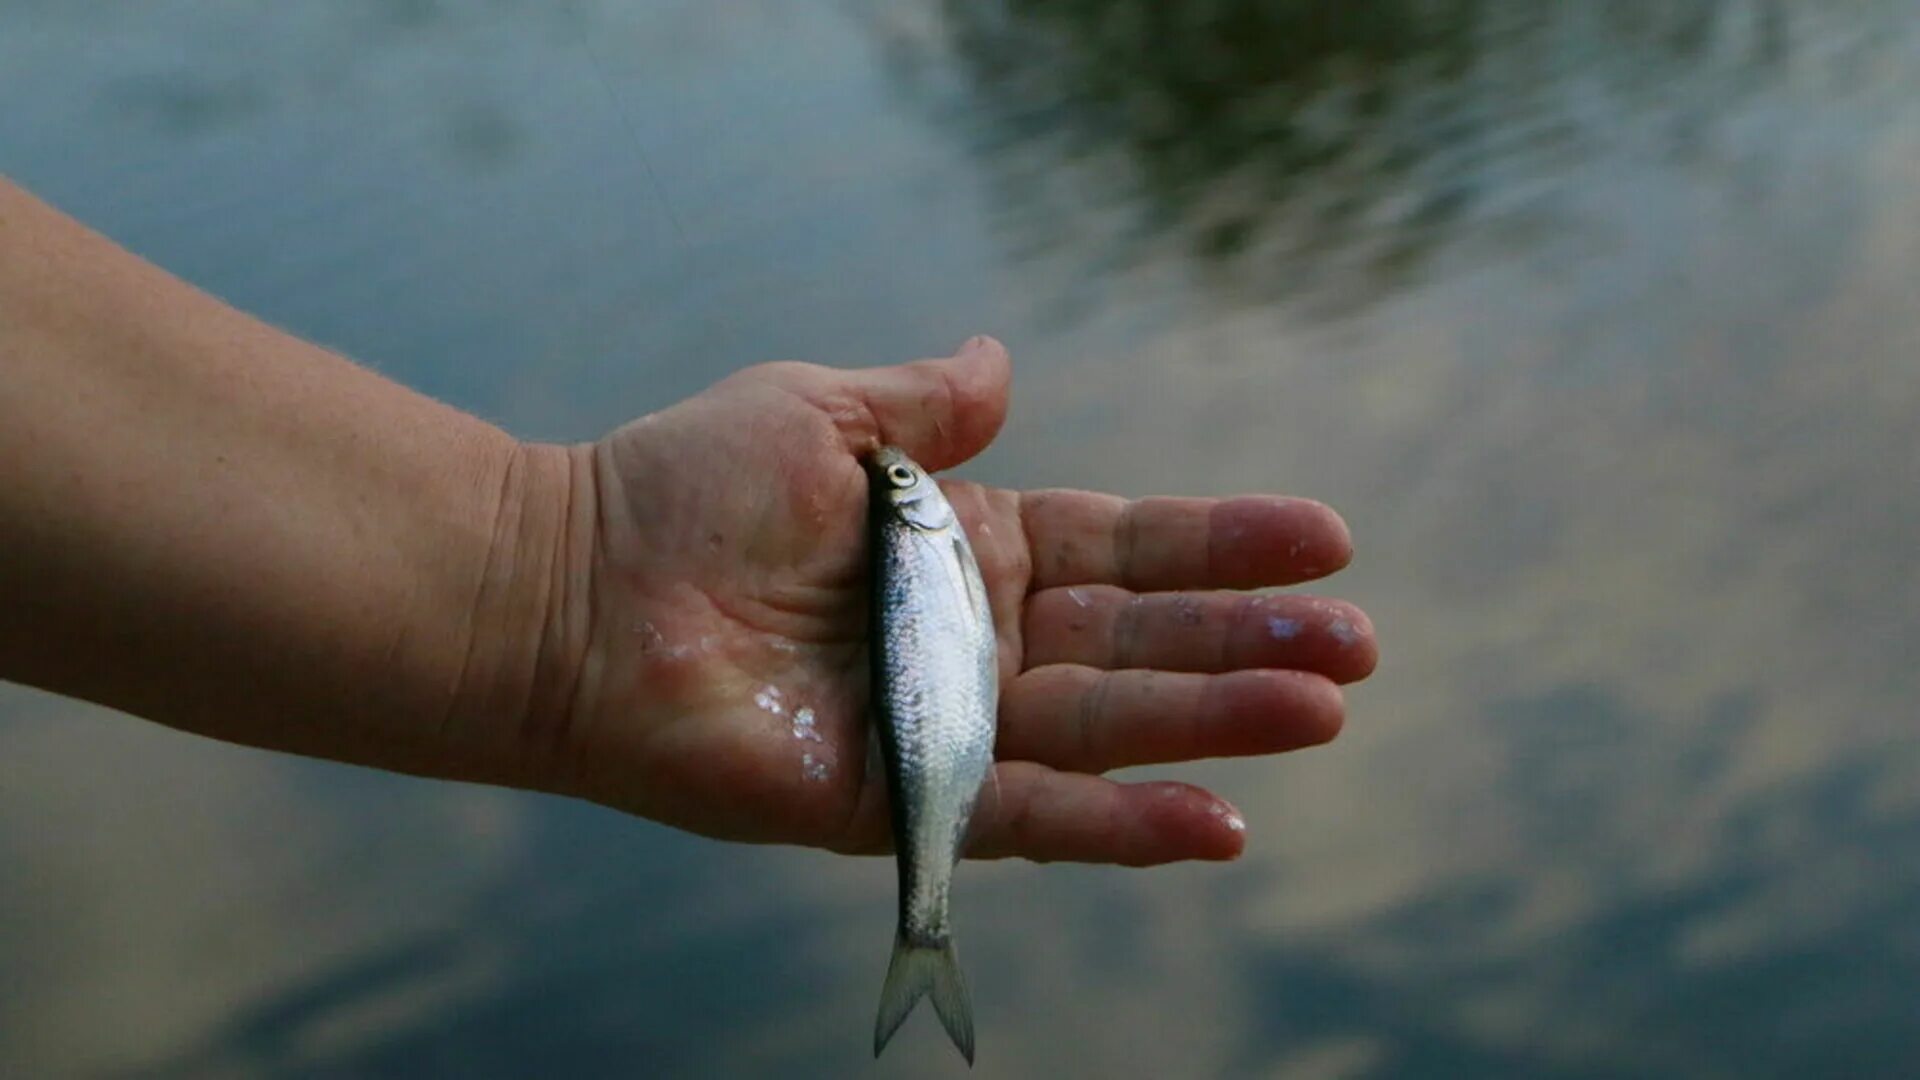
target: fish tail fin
918 971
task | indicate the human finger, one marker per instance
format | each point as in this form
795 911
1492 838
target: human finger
1030 811
942 411
1103 626
1073 717
1160 544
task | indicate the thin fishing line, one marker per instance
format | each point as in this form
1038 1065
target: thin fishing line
646 166
633 135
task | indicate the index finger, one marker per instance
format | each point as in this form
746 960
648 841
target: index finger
1147 545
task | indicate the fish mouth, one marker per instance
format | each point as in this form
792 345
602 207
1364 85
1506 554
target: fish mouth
883 458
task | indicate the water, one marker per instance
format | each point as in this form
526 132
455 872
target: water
1596 321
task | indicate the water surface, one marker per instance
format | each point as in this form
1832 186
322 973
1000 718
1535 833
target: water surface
1596 321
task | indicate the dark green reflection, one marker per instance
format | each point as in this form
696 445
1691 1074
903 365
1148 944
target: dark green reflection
1322 150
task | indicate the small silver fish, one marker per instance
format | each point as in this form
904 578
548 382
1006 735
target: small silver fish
936 692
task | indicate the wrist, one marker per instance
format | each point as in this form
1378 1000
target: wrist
529 623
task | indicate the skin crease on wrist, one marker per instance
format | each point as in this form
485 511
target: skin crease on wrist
228 530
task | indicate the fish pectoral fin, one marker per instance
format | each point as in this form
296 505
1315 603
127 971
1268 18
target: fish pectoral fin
976 589
918 971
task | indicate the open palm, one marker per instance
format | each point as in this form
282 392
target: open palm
723 685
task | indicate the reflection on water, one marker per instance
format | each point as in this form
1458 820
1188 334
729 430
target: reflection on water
1317 154
1620 402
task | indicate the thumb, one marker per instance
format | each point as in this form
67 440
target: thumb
941 412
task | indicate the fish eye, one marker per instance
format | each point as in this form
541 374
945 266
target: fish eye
900 475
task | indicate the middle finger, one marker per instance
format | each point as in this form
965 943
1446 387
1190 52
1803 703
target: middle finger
1106 627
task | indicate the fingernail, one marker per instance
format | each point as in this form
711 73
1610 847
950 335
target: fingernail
973 346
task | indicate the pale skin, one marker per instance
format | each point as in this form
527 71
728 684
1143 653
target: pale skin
214 525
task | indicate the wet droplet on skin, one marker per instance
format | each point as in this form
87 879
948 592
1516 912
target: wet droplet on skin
1186 612
650 638
769 699
1228 816
803 728
1343 632
654 644
1282 628
814 768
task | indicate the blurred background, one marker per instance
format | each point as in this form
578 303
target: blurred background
1597 321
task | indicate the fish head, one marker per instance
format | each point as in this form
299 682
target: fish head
903 490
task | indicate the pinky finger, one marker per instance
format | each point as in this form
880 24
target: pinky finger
1030 811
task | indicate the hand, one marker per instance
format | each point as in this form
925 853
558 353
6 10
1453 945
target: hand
722 685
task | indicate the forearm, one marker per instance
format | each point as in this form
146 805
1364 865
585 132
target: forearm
209 523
